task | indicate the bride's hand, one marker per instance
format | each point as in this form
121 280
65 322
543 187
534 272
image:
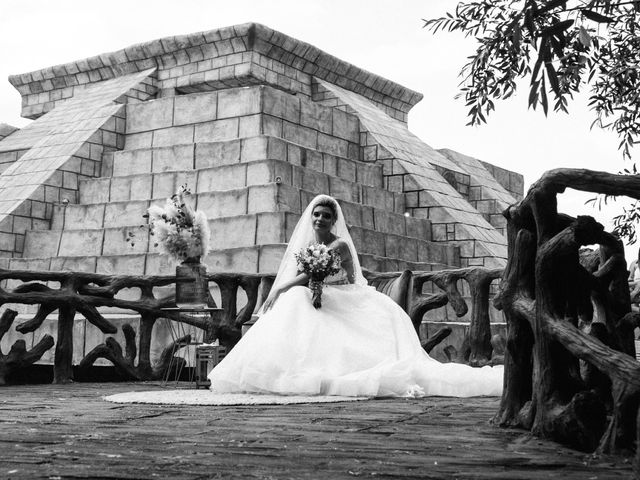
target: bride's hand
271 299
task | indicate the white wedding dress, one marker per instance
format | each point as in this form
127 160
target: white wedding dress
359 343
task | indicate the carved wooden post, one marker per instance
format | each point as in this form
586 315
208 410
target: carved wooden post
250 285
518 355
479 280
229 297
266 282
479 326
147 322
227 332
63 360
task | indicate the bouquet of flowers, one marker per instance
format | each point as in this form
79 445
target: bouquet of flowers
318 262
180 231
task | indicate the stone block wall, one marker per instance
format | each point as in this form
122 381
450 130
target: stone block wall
492 189
53 153
434 186
512 182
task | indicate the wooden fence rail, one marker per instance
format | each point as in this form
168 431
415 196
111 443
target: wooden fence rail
85 293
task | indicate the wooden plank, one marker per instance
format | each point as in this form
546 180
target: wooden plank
49 431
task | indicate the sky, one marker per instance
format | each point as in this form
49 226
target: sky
383 36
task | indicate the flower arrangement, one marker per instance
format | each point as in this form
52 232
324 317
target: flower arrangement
318 262
179 230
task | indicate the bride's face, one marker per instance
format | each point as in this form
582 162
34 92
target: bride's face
322 218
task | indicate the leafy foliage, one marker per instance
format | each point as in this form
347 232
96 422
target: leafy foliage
560 45
624 224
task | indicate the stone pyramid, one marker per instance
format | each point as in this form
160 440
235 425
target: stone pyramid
256 123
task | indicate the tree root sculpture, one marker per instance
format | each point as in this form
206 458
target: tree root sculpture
125 362
19 357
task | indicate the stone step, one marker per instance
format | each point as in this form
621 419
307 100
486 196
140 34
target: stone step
255 259
216 179
229 232
238 113
130 214
249 200
198 156
270 197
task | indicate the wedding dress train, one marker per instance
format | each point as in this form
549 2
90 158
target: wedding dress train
360 343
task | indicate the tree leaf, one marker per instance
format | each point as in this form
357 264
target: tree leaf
516 36
536 69
558 45
528 21
550 6
533 94
596 17
553 78
543 98
584 37
556 28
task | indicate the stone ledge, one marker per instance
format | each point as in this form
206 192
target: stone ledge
128 214
185 157
140 187
248 230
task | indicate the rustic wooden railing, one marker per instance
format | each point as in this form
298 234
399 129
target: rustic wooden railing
85 293
480 347
562 310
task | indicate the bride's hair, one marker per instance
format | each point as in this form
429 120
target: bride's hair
329 203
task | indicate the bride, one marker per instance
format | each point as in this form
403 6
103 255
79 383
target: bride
359 343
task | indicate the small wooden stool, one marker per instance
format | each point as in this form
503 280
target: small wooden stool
207 357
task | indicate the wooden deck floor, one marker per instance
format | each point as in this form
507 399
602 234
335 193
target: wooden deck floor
63 432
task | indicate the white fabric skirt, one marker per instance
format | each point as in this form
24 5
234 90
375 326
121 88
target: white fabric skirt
359 343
